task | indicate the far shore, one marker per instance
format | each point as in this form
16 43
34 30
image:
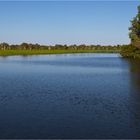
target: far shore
47 52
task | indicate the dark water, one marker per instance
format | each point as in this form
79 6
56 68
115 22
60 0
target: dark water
69 96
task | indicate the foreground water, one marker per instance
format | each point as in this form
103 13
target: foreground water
69 96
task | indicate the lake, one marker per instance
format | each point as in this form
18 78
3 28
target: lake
69 96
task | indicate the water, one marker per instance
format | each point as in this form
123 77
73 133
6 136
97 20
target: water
69 96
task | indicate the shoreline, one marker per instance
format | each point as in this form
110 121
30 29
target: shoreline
47 52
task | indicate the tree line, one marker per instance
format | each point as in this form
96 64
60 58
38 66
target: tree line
30 46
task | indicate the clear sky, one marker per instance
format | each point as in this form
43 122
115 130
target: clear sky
66 22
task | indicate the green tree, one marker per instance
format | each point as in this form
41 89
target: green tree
4 46
135 30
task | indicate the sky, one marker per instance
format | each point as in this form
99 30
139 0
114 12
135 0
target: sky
66 22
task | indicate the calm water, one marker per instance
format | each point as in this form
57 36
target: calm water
69 96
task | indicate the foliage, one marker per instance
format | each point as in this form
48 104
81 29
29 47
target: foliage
29 46
133 50
44 52
135 30
130 51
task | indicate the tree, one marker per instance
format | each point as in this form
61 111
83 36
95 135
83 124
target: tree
135 30
4 46
24 46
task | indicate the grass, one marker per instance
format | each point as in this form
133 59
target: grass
45 52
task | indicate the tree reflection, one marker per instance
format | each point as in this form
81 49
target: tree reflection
134 100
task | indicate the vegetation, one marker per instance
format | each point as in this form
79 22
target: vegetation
36 49
133 50
130 51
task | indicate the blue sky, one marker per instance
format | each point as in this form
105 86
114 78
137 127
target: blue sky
66 22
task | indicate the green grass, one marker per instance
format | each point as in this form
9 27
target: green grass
45 52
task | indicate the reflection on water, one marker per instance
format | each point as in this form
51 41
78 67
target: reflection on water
69 96
135 72
135 92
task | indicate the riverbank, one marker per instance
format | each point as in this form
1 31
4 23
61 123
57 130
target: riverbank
46 52
131 55
130 52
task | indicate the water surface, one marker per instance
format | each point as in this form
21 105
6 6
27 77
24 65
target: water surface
69 96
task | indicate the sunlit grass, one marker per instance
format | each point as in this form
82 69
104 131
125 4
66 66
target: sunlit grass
45 52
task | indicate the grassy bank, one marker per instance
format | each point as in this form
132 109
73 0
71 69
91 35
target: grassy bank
45 52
